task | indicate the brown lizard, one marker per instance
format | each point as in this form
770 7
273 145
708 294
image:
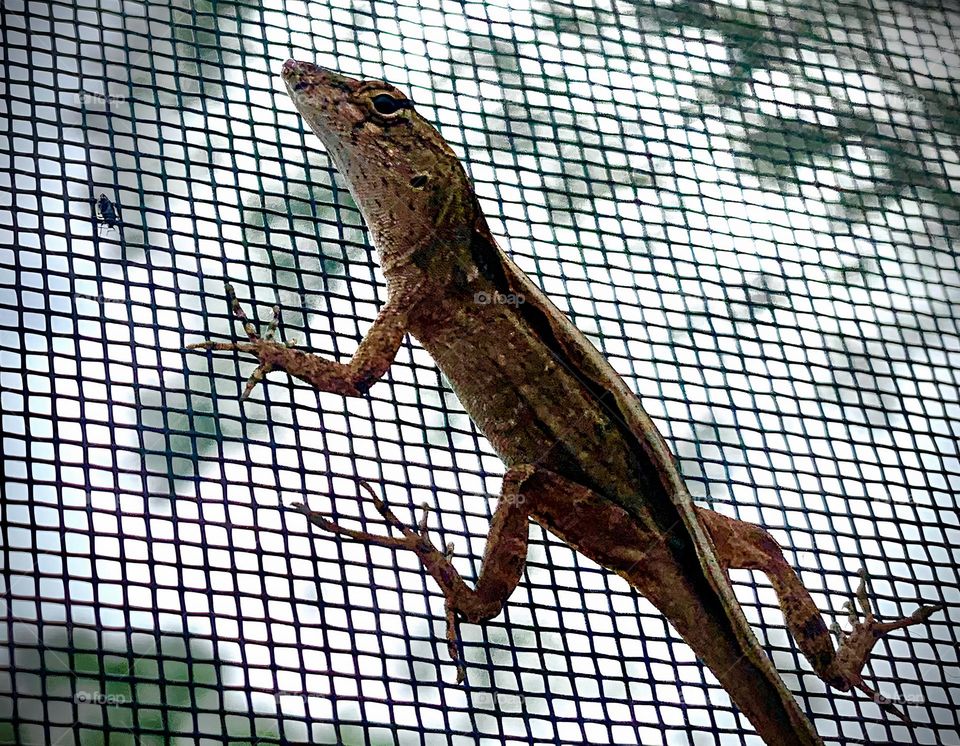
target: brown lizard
584 460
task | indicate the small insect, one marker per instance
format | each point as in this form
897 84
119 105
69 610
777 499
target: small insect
108 213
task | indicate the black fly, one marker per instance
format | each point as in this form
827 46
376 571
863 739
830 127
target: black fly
108 213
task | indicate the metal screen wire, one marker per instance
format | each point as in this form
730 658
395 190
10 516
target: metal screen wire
750 207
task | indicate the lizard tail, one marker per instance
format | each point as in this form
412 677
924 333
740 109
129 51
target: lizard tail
741 666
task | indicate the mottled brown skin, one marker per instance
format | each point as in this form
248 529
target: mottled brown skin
584 459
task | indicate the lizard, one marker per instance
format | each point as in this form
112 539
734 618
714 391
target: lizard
583 458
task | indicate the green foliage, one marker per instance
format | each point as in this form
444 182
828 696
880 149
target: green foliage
110 695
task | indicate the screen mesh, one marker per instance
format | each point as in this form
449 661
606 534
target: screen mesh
750 207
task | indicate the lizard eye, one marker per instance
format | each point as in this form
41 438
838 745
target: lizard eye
387 105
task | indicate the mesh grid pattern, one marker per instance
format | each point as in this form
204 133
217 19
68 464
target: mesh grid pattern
751 208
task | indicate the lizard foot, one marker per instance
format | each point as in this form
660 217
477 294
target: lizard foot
416 540
854 646
268 351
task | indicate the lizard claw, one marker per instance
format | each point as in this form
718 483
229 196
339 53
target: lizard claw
258 375
453 641
264 347
422 524
855 646
414 539
321 521
241 314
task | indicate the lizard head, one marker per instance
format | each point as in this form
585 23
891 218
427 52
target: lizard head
406 180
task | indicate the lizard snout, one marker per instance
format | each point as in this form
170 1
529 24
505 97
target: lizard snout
290 67
293 68
301 76
298 74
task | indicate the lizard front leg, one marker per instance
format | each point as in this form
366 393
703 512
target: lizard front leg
742 545
503 559
371 360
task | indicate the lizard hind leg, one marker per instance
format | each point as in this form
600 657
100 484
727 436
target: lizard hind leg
742 545
500 572
855 646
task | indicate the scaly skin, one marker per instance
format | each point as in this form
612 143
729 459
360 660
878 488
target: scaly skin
584 459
